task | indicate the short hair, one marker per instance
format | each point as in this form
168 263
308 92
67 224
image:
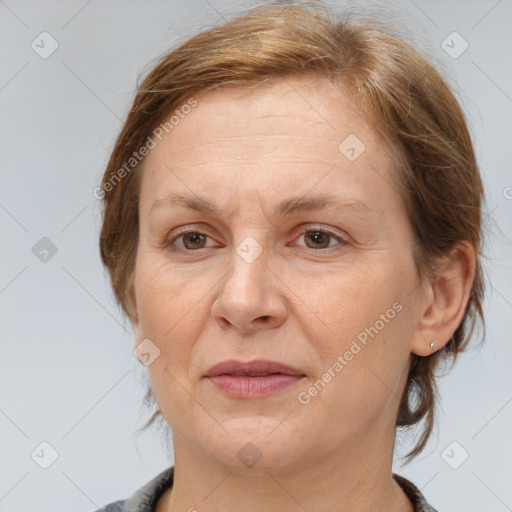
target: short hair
393 86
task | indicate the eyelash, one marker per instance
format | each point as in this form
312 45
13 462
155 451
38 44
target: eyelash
169 244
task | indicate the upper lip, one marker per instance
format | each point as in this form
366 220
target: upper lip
257 367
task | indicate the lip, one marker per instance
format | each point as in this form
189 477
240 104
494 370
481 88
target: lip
251 368
245 380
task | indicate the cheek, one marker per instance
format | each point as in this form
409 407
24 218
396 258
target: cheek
342 305
361 317
171 309
172 316
163 296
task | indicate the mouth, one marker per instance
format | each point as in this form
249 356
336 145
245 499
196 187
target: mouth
257 368
252 379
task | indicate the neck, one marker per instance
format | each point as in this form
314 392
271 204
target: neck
358 479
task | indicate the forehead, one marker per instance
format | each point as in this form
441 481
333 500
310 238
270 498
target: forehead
277 136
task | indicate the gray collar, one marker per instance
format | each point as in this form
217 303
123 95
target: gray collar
146 498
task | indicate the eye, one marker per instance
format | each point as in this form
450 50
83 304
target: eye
321 239
191 241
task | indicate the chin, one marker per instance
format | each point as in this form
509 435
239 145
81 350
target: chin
257 443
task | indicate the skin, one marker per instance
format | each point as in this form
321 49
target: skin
301 302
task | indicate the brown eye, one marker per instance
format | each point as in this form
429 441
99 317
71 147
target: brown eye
317 239
194 240
189 241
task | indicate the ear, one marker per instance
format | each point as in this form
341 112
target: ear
446 295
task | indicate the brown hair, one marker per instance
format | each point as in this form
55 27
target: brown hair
402 95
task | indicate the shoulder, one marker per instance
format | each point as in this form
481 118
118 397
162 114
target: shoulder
117 506
414 494
145 498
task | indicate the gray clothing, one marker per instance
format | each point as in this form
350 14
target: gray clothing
146 498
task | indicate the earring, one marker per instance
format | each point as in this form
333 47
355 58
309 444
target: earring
432 346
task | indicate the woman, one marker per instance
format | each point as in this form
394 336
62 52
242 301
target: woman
292 225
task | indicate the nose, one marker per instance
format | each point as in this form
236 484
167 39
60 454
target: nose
250 297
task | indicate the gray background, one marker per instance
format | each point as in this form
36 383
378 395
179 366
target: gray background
67 372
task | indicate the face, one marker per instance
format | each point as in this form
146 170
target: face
271 229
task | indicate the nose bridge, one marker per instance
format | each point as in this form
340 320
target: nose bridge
248 277
248 294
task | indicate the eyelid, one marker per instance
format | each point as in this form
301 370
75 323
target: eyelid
319 227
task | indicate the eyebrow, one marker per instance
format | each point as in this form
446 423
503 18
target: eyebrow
283 209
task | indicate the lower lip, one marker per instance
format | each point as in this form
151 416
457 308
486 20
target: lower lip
252 387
